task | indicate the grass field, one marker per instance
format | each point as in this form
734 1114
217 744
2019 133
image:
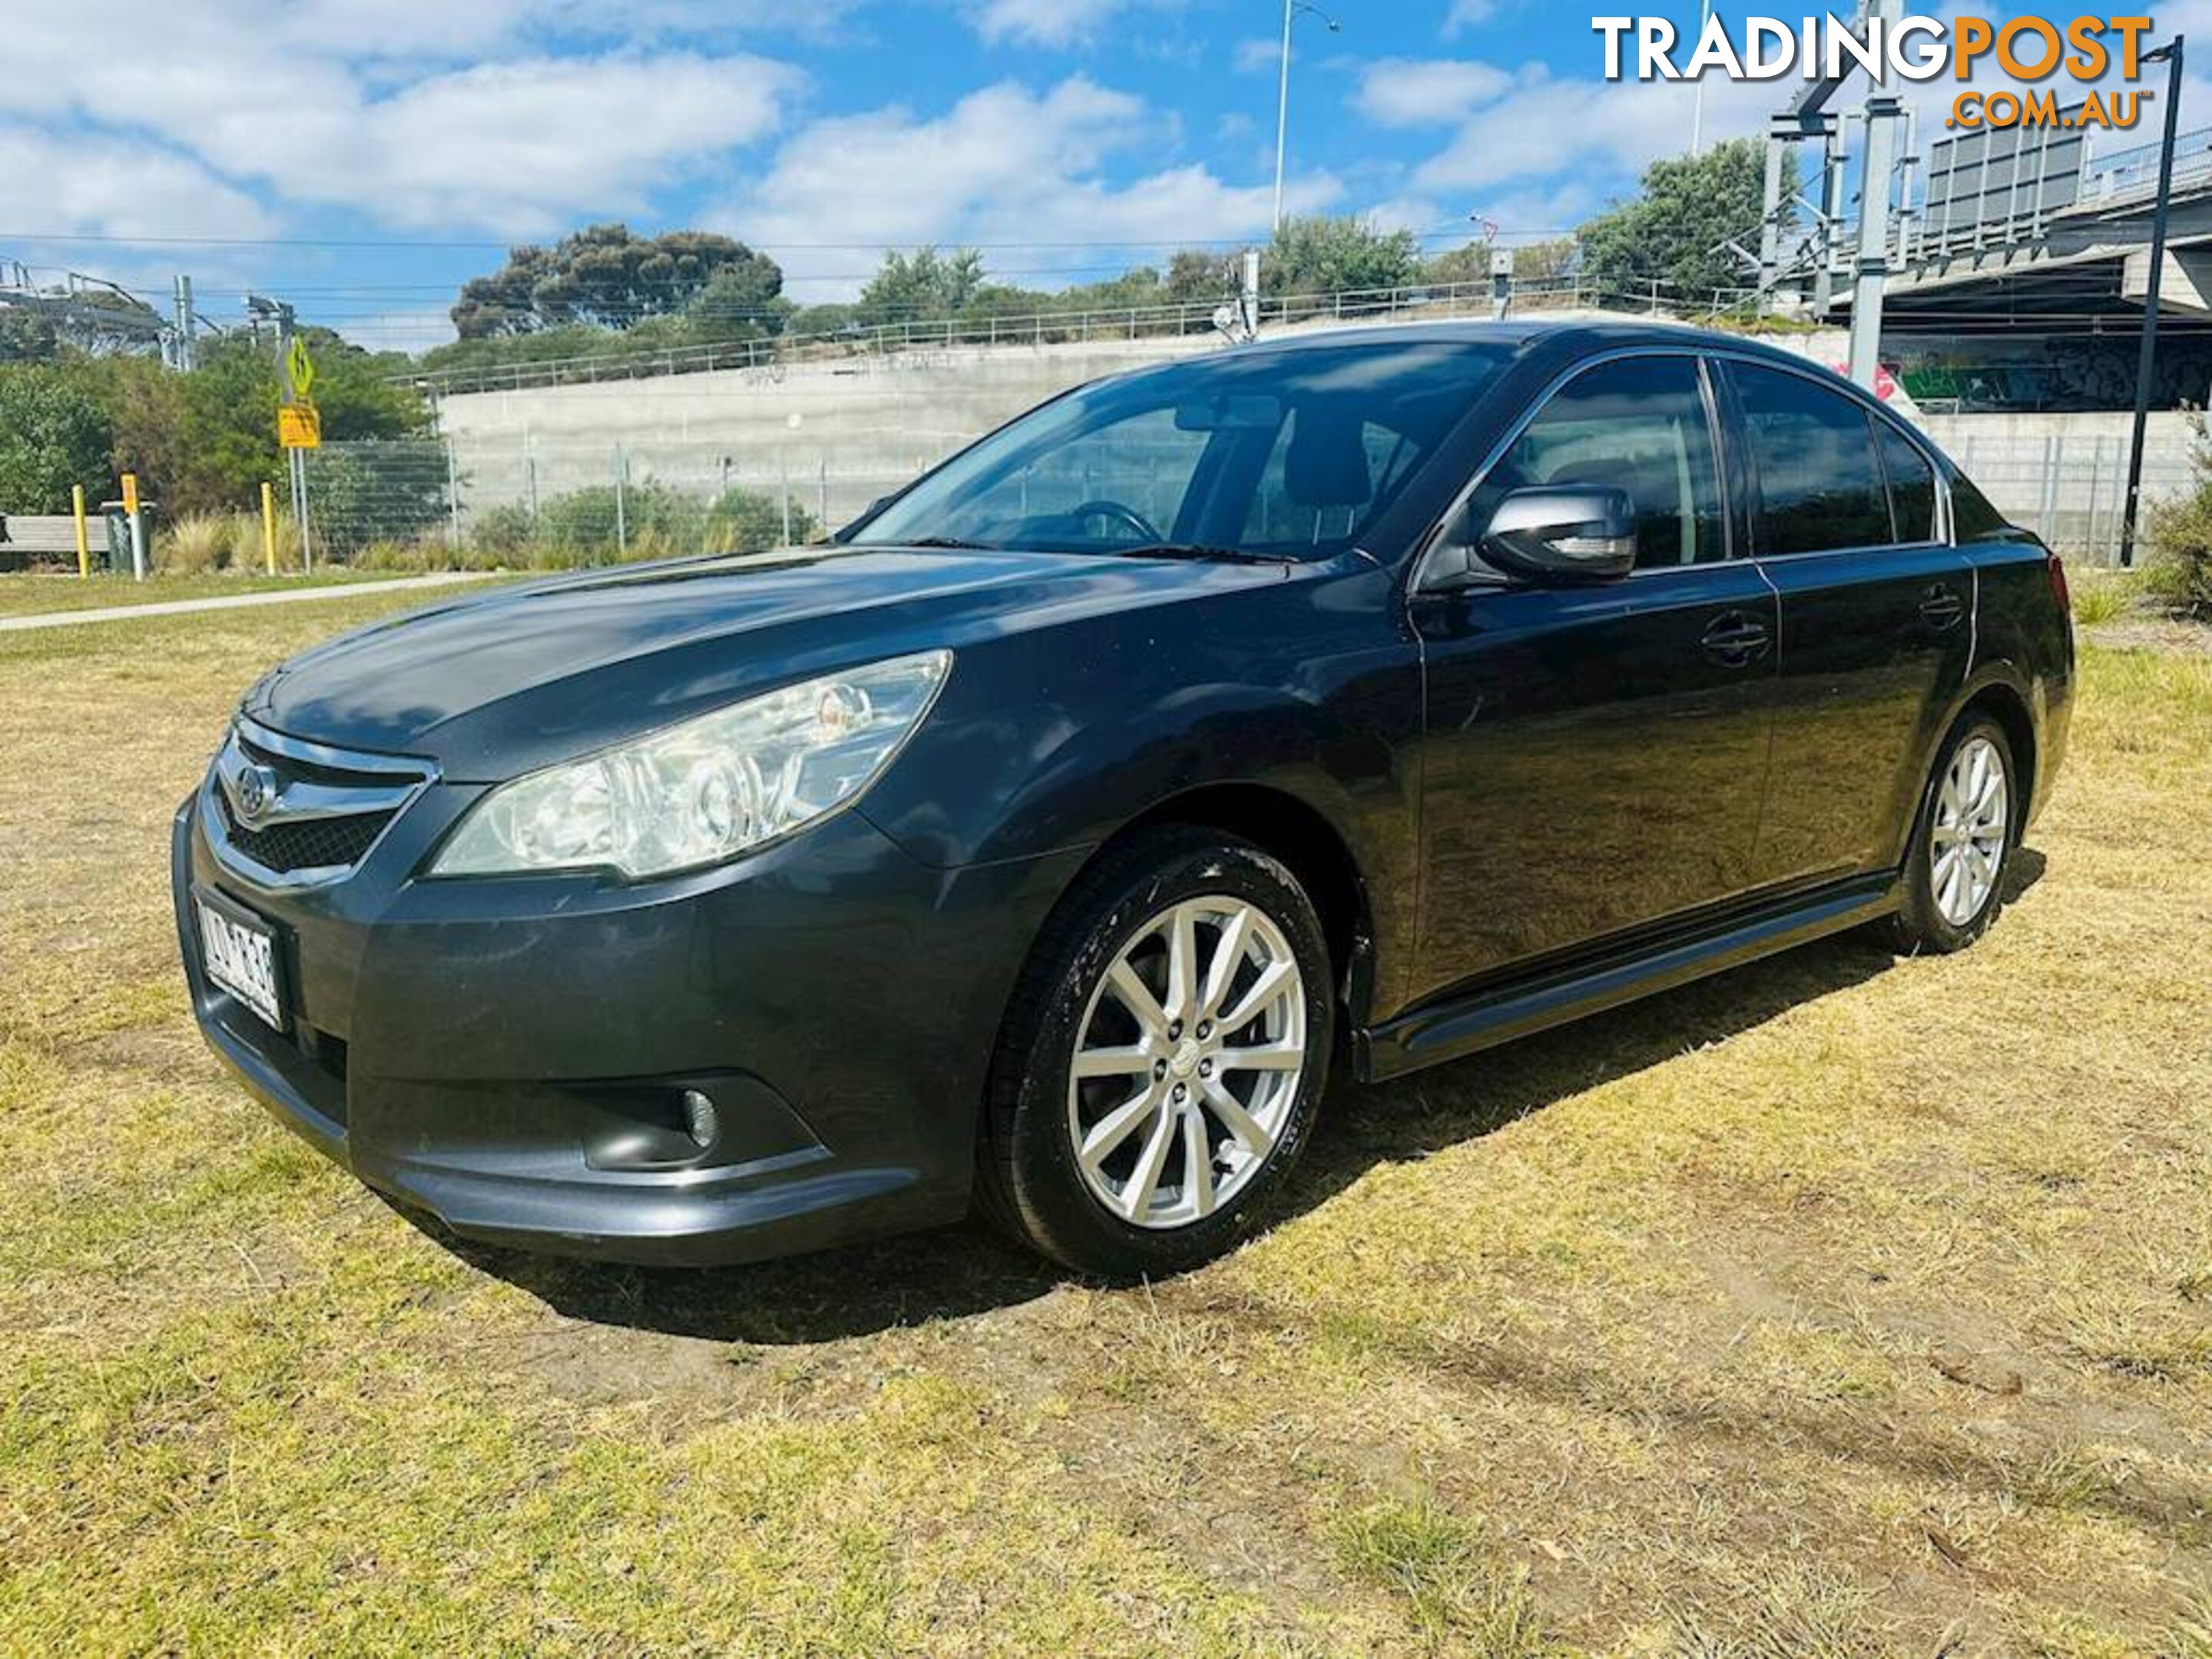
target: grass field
30 596
1840 1306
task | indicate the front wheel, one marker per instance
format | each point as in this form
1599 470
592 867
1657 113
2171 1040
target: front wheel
1163 1057
1954 873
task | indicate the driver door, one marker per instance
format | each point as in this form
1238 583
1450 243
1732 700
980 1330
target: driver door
1595 757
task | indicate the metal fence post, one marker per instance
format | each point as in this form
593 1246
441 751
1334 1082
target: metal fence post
453 501
783 490
2053 449
622 502
2090 547
822 494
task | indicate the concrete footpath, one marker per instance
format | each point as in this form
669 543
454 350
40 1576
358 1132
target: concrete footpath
109 613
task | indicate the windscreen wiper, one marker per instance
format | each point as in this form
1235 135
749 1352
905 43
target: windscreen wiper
1193 550
957 543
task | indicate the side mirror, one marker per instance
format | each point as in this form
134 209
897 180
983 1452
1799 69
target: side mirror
1560 535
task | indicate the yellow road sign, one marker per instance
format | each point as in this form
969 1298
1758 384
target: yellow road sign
298 426
300 370
130 492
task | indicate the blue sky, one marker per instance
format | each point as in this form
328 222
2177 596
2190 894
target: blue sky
1068 138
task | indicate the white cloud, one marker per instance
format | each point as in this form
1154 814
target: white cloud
1401 92
368 105
517 148
97 186
1043 22
1003 165
1467 14
1261 52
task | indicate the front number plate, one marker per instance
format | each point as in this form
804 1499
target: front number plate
238 951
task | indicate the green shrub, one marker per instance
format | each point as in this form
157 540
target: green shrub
500 534
2178 540
592 522
749 521
2179 572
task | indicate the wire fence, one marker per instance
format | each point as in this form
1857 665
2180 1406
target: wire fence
1062 327
432 503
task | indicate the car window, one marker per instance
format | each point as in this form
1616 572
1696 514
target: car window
1279 516
1812 453
1290 453
1638 425
1144 463
1912 485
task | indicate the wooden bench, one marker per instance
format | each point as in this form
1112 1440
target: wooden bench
28 540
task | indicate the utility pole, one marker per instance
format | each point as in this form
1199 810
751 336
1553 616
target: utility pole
185 356
2131 503
1884 110
1697 107
1290 9
276 311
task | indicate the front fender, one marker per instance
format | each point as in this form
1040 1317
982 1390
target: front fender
1057 737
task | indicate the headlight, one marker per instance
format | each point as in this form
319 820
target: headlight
707 790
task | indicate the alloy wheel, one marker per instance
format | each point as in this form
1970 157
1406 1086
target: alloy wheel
1187 1061
1965 846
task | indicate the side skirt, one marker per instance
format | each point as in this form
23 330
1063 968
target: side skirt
1493 1014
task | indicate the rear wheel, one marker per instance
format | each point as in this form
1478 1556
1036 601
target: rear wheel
1954 874
1163 1057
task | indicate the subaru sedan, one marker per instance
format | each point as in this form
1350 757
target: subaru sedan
1044 843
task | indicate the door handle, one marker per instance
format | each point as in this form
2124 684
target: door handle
1941 608
1737 640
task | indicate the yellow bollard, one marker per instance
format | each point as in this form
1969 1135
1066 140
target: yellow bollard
83 543
269 524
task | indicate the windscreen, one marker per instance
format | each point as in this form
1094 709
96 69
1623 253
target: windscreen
1280 454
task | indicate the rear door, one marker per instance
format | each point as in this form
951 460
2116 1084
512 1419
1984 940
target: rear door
1594 757
1876 619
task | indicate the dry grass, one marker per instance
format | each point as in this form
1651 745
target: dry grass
1840 1306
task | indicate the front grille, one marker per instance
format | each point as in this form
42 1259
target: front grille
324 807
311 844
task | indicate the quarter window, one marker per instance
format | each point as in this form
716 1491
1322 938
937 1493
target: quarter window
1912 485
1812 452
1638 425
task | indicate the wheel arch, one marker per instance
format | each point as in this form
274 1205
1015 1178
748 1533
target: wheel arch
1292 830
2008 705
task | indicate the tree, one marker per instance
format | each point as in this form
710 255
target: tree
1324 255
925 286
204 441
53 434
1675 232
610 277
1203 276
27 336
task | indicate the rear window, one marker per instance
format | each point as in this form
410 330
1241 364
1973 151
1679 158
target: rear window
1911 485
1821 487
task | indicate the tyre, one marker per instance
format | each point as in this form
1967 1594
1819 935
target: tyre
1955 872
1163 1059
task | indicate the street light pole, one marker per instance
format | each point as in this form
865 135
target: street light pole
1290 9
2131 502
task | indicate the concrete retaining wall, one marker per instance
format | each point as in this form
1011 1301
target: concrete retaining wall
835 434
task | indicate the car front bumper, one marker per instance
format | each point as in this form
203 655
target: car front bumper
512 1054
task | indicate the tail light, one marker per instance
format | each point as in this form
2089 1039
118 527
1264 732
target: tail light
2057 567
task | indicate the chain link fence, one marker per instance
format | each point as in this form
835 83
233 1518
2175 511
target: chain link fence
526 499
